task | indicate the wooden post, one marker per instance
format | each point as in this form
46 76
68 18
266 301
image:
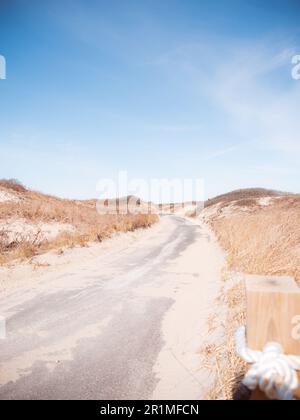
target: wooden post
273 303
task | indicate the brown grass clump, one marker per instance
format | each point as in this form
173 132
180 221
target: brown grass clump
266 241
12 184
24 251
35 208
246 202
229 369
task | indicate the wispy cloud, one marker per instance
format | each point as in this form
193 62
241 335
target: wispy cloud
222 152
177 128
262 107
250 83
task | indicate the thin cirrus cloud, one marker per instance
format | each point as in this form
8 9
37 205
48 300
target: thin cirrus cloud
261 106
251 85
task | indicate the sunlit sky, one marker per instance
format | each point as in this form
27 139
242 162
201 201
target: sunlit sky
160 88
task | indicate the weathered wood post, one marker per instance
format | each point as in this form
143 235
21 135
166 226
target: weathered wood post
273 311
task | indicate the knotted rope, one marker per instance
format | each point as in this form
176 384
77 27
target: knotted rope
272 371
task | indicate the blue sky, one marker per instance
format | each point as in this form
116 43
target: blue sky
165 88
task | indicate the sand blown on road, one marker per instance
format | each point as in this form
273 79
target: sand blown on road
154 291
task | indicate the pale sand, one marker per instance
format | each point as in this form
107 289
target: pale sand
196 282
6 196
23 230
179 368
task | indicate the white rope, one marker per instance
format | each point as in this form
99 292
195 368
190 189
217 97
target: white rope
272 371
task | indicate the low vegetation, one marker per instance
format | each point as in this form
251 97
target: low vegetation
13 185
245 194
263 240
229 368
79 221
260 231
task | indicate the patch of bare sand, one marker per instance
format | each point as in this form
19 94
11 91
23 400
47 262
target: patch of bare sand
6 196
40 269
23 230
180 368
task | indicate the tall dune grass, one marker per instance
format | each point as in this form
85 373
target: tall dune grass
265 241
33 207
261 240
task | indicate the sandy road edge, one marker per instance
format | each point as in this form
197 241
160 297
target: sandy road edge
180 367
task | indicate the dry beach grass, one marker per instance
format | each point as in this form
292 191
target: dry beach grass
260 232
223 360
265 240
29 221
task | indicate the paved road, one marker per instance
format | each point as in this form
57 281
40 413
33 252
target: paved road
93 332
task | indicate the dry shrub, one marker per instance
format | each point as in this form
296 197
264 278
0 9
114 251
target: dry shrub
246 202
266 241
66 239
3 259
25 251
228 367
12 184
88 224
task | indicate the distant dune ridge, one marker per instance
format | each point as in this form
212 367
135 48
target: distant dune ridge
32 222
